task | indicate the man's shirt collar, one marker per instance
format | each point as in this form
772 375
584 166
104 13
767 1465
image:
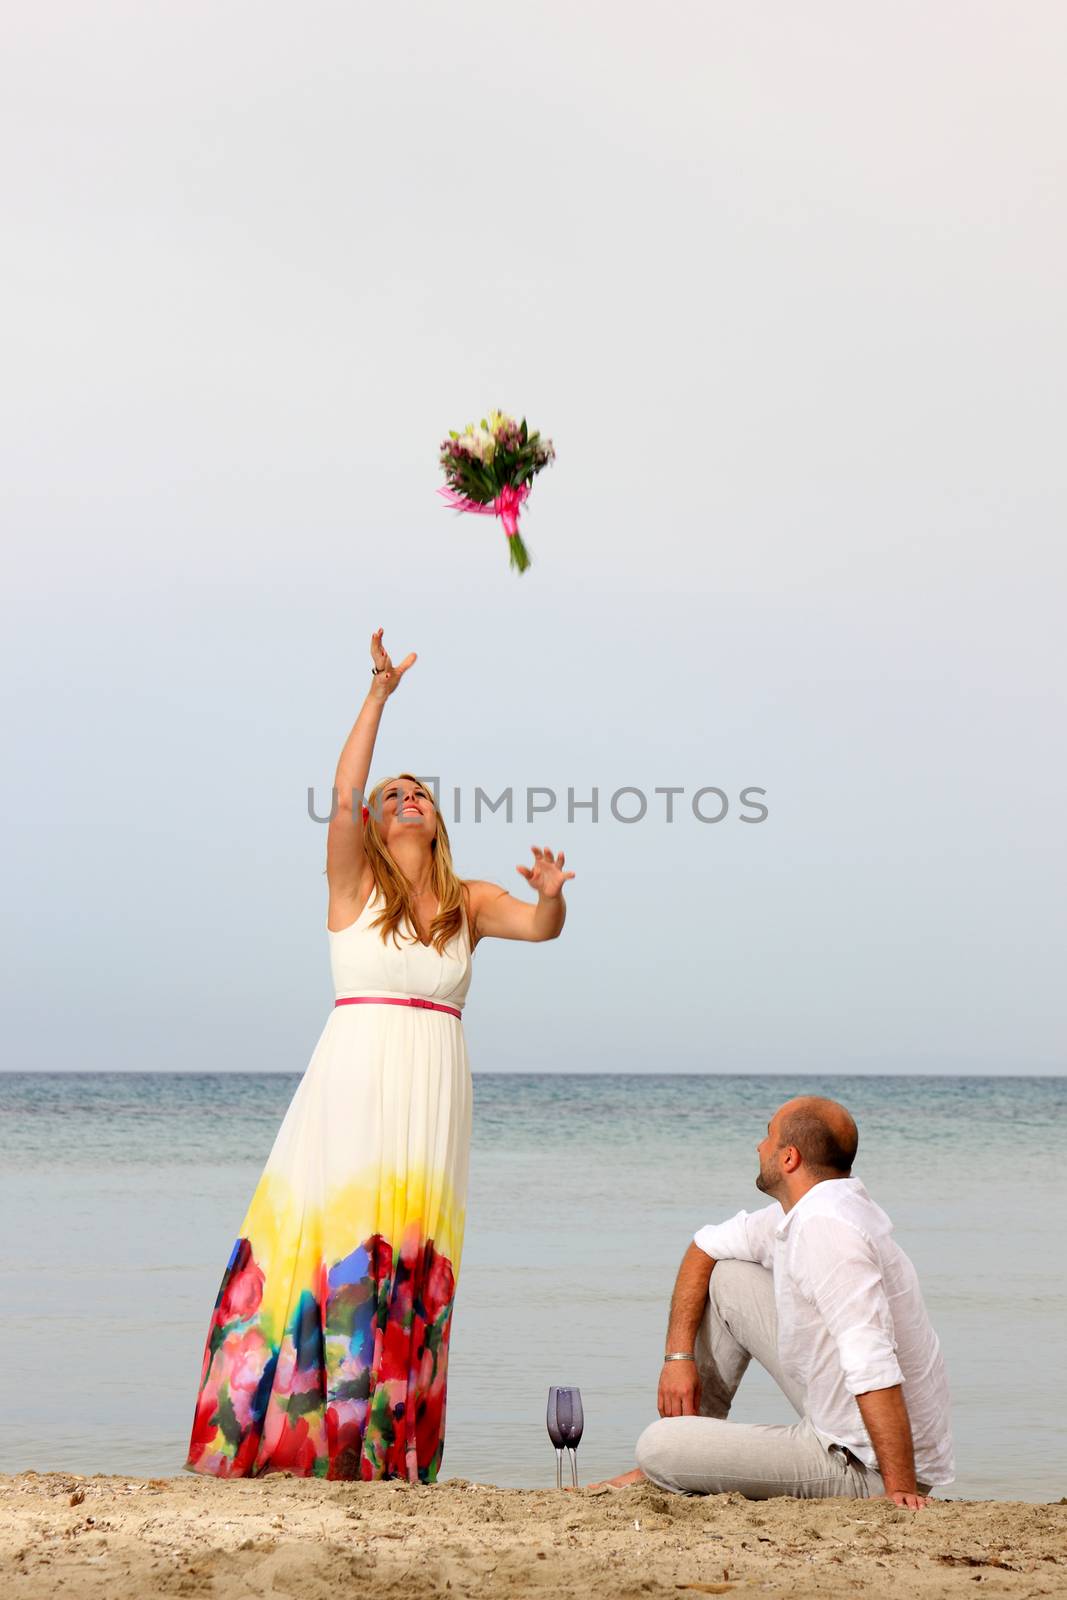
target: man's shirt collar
843 1186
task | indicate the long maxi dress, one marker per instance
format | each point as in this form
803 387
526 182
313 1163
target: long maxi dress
327 1353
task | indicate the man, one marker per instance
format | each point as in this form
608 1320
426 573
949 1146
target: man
815 1288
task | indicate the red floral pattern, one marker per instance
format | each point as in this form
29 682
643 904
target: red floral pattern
355 1389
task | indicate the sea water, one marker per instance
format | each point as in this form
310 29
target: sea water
121 1194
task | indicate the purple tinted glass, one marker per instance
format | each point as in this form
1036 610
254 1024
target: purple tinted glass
565 1419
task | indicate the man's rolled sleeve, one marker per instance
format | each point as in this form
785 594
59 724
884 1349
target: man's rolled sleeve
747 1237
837 1267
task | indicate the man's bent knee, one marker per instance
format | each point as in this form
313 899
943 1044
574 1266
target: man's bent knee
736 1282
653 1453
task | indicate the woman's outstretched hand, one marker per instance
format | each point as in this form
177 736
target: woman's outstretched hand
387 677
546 875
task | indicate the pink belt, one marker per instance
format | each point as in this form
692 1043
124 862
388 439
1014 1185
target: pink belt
396 1000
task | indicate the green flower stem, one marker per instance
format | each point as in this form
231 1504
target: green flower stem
519 556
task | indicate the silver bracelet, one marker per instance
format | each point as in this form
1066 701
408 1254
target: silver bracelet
680 1355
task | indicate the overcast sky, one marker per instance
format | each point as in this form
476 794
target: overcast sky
785 286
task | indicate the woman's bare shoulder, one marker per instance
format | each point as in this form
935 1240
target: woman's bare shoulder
479 891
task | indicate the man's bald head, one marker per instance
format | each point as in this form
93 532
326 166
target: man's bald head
822 1131
808 1141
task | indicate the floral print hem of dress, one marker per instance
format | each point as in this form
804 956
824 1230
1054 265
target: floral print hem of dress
327 1353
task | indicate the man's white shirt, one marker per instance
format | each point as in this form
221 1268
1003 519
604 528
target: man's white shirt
850 1315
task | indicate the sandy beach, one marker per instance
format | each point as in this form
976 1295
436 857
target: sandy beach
133 1537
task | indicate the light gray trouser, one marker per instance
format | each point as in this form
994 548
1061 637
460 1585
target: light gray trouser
708 1455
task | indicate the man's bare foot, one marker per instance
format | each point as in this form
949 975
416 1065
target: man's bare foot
623 1481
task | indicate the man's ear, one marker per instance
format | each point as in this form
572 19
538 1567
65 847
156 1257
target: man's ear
790 1158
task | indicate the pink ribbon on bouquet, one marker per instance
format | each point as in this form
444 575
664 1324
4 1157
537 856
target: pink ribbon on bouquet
505 506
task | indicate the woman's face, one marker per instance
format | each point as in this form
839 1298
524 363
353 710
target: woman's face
406 805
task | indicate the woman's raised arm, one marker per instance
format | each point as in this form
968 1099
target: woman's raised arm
344 837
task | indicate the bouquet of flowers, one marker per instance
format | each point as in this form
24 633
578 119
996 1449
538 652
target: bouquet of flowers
490 470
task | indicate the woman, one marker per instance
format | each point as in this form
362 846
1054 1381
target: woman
327 1353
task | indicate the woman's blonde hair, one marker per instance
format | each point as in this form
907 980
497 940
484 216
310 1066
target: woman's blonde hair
450 891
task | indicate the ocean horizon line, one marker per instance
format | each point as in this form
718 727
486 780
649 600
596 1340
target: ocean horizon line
530 1072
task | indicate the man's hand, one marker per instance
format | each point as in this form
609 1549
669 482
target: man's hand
679 1386
885 1416
679 1389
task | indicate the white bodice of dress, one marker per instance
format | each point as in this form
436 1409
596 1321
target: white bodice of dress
362 964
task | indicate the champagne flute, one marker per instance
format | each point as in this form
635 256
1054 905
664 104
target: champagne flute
565 1424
